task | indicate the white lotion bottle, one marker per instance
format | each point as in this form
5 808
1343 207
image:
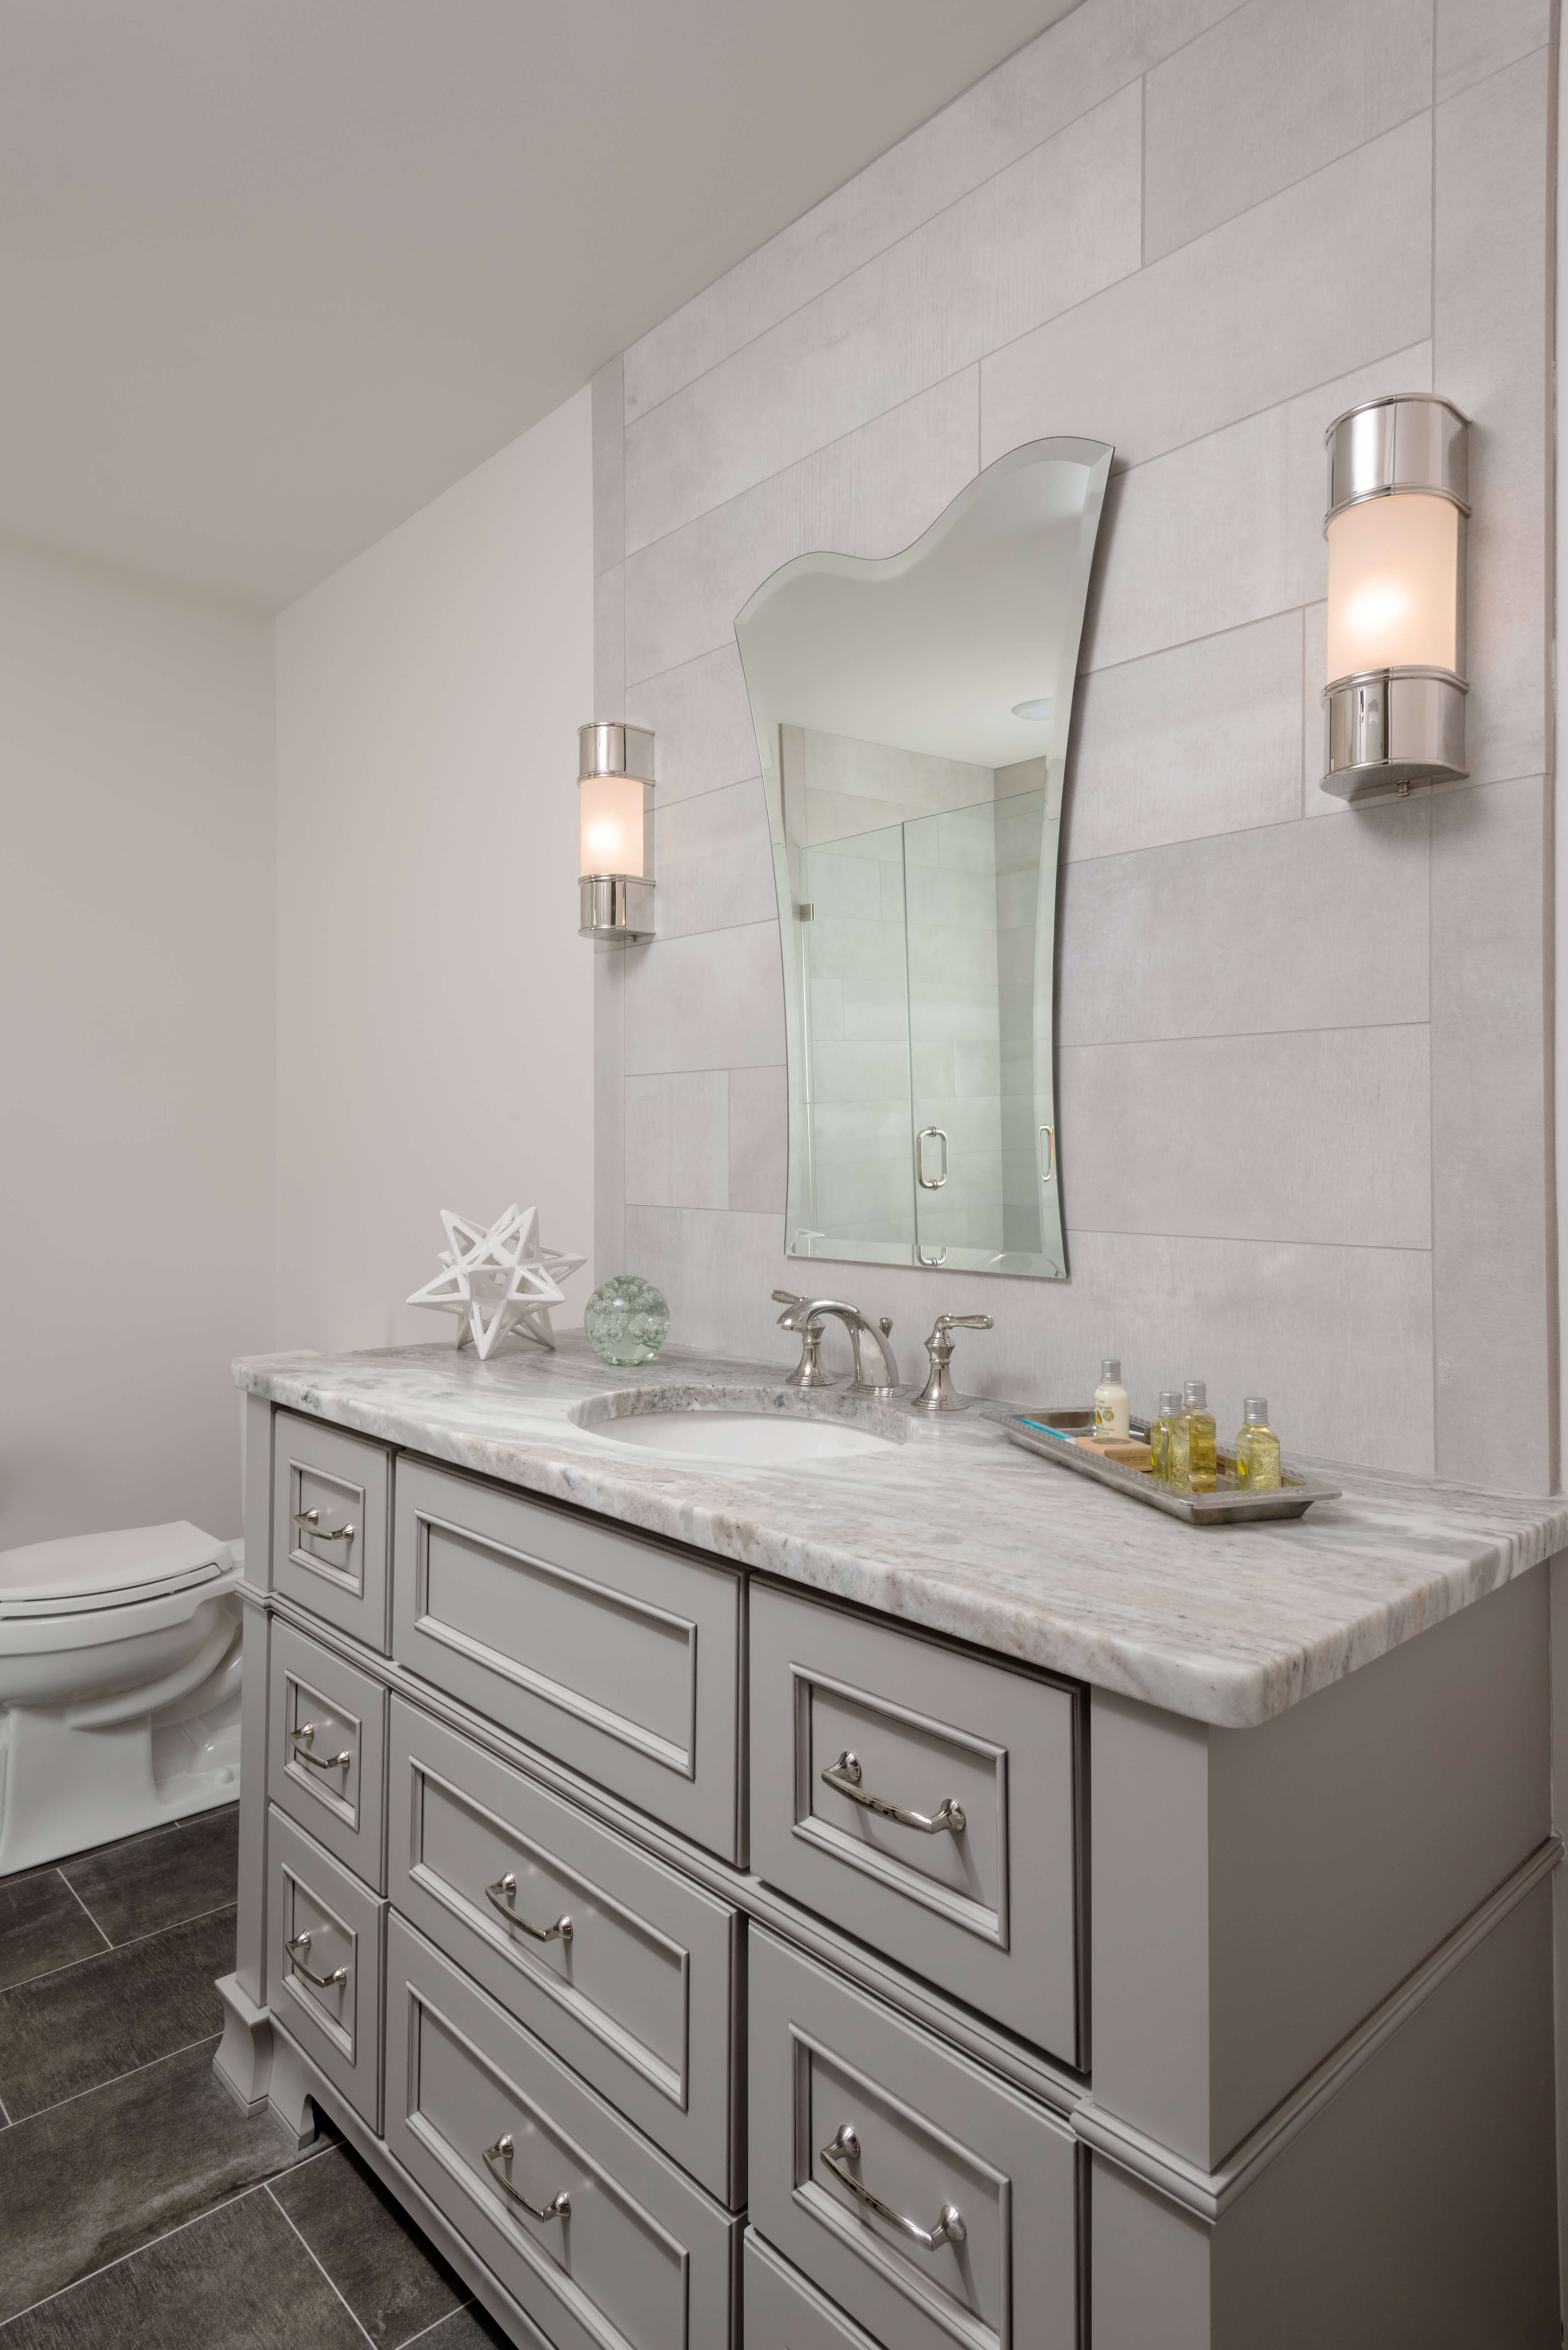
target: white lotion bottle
1111 1402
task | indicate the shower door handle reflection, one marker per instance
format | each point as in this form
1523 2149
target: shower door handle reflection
929 1183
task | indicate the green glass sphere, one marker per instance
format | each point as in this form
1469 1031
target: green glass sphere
627 1321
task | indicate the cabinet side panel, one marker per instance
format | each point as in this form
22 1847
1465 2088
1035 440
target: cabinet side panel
1350 1835
1150 1919
1420 2207
1149 2268
250 1923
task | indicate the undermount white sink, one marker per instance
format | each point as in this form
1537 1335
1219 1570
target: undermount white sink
759 1440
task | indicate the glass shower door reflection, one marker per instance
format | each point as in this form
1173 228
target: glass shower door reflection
855 1026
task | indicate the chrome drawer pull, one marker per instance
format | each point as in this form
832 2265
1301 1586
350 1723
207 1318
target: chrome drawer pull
558 2207
502 1894
307 1521
950 2229
297 1951
844 1778
300 1740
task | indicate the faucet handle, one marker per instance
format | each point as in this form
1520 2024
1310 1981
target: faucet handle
962 1321
938 1394
788 1297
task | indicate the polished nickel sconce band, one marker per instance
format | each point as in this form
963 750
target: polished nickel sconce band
615 782
1397 591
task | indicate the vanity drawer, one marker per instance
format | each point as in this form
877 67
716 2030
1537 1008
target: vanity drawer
930 2131
619 1659
338 2023
783 2312
639 1995
642 2260
334 1565
338 1800
990 1911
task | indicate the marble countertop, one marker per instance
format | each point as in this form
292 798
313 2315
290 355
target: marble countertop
960 1532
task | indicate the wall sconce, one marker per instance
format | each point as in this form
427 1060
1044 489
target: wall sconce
614 788
1395 701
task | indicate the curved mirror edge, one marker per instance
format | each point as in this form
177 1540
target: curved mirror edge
913 716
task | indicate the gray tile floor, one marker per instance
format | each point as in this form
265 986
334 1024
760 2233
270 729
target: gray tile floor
139 2208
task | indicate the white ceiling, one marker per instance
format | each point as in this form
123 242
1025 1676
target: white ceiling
273 273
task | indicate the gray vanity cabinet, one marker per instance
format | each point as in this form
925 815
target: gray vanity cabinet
700 1959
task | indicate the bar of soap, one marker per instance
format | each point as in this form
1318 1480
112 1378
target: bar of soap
1128 1449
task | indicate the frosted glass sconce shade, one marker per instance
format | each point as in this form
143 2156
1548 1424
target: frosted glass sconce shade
615 787
1394 701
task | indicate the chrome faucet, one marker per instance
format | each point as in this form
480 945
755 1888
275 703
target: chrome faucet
805 1316
938 1394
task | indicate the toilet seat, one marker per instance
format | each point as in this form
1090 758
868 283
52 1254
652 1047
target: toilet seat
86 1572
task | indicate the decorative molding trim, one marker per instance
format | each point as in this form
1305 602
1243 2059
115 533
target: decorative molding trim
244 2059
1210 2193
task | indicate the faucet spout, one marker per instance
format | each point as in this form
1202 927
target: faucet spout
806 1314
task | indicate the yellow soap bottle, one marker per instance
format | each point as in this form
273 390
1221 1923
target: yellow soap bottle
1257 1451
1162 1436
1202 1437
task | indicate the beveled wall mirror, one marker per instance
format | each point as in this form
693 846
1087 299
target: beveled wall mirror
913 716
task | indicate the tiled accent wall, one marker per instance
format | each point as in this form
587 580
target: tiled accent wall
1302 1048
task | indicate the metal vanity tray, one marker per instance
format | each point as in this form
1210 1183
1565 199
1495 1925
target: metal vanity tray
1233 1506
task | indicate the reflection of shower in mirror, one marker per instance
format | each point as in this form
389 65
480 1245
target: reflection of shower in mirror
912 714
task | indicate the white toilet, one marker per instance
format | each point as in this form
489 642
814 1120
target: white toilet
120 1687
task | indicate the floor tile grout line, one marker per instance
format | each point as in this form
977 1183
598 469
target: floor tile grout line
110 1949
207 2039
315 2256
92 1921
194 2221
470 2301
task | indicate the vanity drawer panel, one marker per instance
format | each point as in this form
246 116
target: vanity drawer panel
931 2130
639 1996
642 2260
345 1712
335 1566
619 1659
990 1911
336 2022
783 2312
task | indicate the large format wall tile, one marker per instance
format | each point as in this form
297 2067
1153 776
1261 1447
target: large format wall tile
713 1000
1476 37
609 405
719 1272
1271 94
702 724
1203 739
1220 358
759 1139
1324 1135
1091 54
1491 1204
1229 528
1299 926
1038 237
1490 355
677 1139
869 493
713 861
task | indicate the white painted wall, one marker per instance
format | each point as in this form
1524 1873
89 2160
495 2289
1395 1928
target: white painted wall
435 1004
136 1051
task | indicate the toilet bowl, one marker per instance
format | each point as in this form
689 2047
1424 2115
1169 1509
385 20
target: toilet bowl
120 1687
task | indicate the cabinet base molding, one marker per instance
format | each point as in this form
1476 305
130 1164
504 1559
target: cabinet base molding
1210 2193
243 2061
306 2083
